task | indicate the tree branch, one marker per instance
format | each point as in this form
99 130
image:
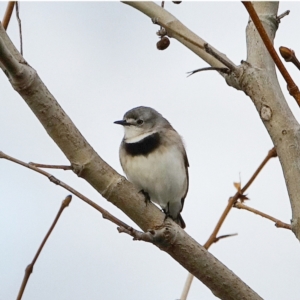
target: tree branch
292 87
180 32
29 268
88 165
105 213
8 13
289 56
232 200
261 84
277 222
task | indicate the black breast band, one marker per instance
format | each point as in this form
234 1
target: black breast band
143 147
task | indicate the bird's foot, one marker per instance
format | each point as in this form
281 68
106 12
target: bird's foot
167 214
146 195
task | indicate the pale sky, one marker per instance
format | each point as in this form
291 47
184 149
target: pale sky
100 60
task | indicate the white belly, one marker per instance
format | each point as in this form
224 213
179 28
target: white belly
162 175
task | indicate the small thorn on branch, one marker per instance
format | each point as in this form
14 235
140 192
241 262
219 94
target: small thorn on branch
224 236
286 13
222 70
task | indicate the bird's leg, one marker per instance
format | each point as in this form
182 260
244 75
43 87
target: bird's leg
146 195
166 211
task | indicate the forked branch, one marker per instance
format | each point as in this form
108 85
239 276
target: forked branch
29 268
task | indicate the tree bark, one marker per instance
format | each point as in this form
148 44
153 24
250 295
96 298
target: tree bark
115 188
257 78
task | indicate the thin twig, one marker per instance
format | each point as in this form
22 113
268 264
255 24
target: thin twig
277 222
213 53
29 268
232 200
8 13
292 87
224 236
105 213
138 235
20 27
286 13
187 287
222 70
289 55
61 167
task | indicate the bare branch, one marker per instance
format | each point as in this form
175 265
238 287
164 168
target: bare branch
177 30
20 27
61 167
11 65
222 70
286 13
221 59
8 13
105 213
29 268
292 87
277 222
260 83
224 236
138 235
175 241
232 200
289 56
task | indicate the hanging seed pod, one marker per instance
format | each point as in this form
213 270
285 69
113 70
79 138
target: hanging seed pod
163 43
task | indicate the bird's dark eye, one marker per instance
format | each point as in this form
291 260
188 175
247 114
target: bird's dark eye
139 122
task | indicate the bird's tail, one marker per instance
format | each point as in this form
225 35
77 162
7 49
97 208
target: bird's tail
180 221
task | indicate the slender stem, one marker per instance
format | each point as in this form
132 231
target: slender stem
277 222
211 51
8 13
61 167
292 87
222 70
29 268
286 13
187 287
232 200
271 153
289 56
20 27
105 213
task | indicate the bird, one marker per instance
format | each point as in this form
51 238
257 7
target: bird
153 157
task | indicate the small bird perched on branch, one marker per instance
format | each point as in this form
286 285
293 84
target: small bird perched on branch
153 158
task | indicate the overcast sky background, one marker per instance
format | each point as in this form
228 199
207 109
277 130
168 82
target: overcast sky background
100 60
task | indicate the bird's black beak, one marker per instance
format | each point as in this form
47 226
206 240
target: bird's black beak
122 122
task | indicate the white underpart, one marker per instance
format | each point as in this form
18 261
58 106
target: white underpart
161 174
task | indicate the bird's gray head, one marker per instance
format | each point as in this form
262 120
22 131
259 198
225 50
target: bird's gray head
140 122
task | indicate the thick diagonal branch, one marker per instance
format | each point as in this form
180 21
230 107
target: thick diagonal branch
88 164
